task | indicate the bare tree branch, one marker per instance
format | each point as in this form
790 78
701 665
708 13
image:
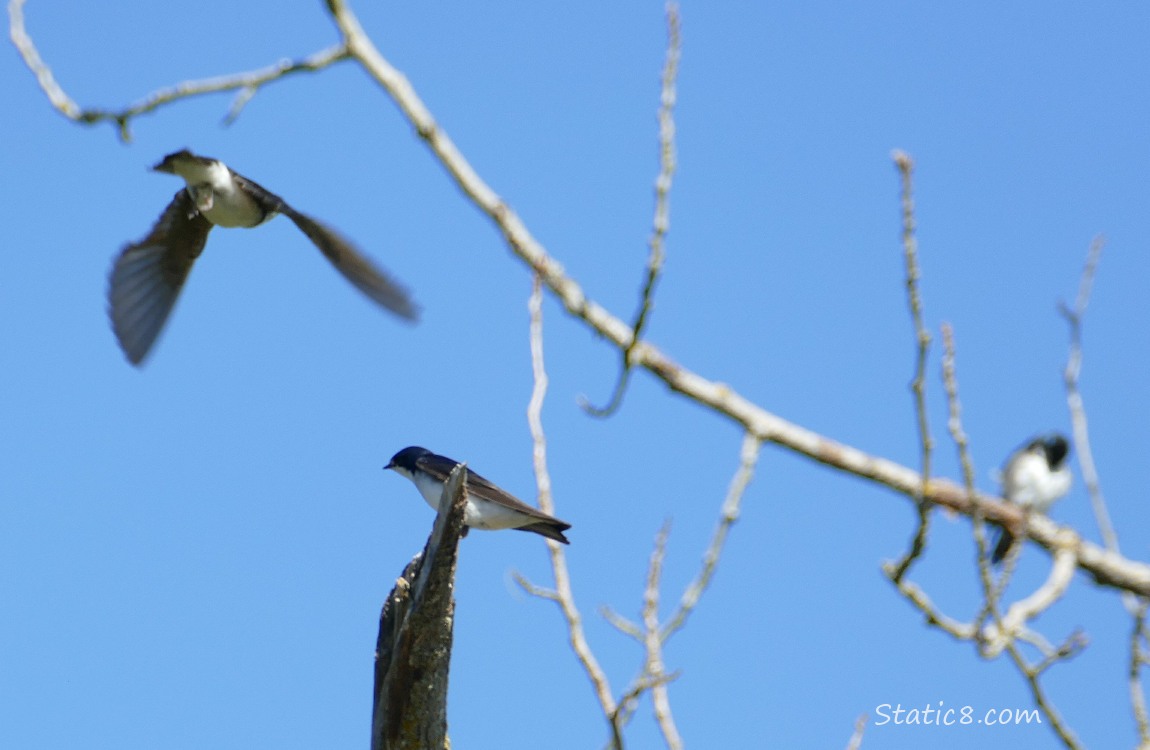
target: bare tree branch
245 84
630 697
1134 605
661 221
1106 568
651 634
935 617
1032 675
653 643
918 384
562 595
1139 659
1069 551
990 592
1074 395
413 649
748 459
1005 629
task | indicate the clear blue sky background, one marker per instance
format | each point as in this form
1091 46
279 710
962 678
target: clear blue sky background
194 555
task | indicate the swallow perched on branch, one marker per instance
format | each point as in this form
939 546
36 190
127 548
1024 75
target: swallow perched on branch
488 506
1034 477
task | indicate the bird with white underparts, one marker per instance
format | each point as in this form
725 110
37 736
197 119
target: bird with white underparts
148 275
1034 477
488 506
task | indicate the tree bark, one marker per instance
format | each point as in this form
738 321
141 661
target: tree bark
413 649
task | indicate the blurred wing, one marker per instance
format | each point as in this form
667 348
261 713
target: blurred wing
355 266
147 277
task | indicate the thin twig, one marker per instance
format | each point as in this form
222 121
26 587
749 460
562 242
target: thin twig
655 636
661 221
533 589
1136 606
1044 705
653 643
1074 644
918 384
935 617
856 736
563 595
246 84
748 458
1077 408
990 593
1004 628
1138 660
621 623
630 697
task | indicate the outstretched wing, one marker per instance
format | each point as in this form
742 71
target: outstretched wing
355 266
148 275
347 259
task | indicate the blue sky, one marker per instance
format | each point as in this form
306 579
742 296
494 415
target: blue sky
194 554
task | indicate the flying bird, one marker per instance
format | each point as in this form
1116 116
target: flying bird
488 507
148 275
1034 477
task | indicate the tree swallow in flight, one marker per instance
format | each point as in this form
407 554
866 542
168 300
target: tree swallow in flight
147 276
1034 477
488 507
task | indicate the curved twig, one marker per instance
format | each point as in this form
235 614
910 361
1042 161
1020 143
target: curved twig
246 84
661 221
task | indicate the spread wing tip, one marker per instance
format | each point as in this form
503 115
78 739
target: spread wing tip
355 266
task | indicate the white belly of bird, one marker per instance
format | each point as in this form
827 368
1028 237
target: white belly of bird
216 196
233 208
1033 485
479 513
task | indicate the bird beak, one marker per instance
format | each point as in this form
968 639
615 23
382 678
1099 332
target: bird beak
168 164
390 465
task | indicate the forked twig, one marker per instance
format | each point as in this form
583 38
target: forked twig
748 459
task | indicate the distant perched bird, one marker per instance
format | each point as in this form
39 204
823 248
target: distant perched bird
488 507
1034 477
147 276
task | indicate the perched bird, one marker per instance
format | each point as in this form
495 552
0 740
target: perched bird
147 276
488 507
1034 477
